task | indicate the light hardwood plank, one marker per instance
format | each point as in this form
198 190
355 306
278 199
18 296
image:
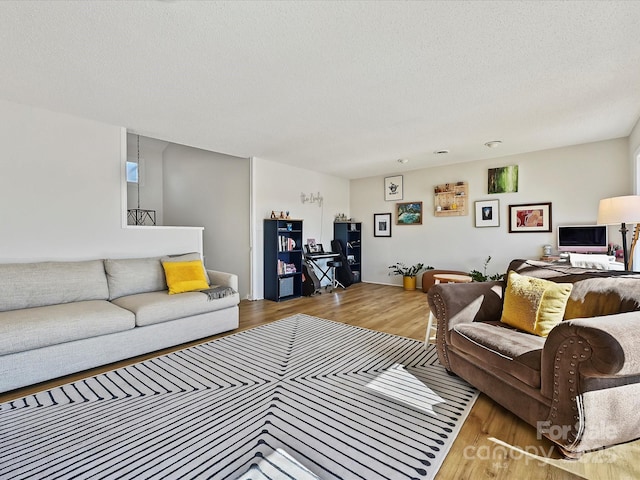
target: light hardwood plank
492 444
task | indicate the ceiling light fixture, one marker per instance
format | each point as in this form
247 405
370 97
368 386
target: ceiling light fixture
403 160
493 143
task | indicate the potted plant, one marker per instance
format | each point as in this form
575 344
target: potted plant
408 273
479 276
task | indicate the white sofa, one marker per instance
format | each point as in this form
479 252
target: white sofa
58 318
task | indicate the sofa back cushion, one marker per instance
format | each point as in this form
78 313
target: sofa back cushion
27 285
595 292
128 276
603 296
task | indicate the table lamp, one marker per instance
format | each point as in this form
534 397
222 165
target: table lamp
620 210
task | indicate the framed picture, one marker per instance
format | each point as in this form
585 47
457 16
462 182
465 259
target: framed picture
314 247
381 224
409 213
488 213
503 179
530 217
393 188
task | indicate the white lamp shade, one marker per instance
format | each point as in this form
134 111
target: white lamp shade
617 210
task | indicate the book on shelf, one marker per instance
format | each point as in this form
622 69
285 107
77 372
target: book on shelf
285 268
286 244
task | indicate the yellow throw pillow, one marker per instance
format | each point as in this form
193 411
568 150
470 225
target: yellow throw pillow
185 276
533 304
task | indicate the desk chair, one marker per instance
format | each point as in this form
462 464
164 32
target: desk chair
334 281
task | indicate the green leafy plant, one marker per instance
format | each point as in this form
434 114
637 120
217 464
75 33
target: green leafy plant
400 268
479 276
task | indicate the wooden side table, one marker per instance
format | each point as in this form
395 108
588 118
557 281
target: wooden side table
443 278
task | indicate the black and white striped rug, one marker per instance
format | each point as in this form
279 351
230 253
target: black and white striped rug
300 398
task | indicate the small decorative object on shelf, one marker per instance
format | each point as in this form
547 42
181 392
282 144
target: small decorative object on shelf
450 199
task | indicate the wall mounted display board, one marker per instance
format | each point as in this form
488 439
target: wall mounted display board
451 199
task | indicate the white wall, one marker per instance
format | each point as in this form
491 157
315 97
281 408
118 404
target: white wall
213 190
278 187
634 158
62 192
573 178
634 153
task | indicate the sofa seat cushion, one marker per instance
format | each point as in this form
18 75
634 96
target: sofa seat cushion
158 307
30 328
502 347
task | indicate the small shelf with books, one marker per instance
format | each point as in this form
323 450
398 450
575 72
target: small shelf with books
350 236
283 258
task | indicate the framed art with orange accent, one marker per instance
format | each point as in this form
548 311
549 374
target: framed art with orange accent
530 217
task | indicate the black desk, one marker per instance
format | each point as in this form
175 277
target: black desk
325 271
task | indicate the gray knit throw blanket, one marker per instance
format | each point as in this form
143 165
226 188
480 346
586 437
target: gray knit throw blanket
218 291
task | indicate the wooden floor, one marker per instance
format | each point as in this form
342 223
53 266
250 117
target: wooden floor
492 444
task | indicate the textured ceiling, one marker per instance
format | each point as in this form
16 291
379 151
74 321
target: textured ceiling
344 88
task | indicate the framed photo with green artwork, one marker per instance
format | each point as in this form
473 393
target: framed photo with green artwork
409 213
503 179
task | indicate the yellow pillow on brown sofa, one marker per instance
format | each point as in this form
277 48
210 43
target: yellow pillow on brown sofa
185 276
533 304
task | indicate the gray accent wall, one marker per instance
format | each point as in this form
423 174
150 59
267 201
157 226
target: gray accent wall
212 190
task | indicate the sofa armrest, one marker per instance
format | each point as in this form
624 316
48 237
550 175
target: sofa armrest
604 346
583 361
455 303
223 278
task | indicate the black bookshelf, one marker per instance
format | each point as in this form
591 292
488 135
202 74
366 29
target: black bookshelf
350 236
282 259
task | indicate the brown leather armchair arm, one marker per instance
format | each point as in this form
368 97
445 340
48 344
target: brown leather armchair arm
454 303
466 302
592 347
588 366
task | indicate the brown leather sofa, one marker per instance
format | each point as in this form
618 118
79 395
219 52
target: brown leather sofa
578 386
428 280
